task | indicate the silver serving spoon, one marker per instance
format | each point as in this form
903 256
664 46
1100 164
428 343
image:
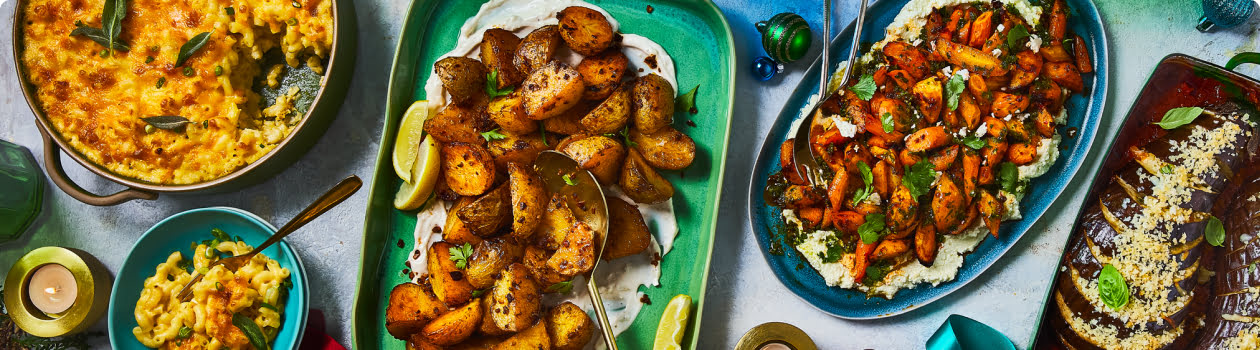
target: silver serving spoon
330 199
586 198
803 156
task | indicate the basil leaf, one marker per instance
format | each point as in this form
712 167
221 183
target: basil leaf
99 37
168 122
1016 34
687 102
191 47
887 122
251 330
865 88
1112 288
1179 116
493 135
1215 232
974 142
872 229
919 178
111 20
953 90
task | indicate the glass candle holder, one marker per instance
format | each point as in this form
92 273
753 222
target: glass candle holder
22 199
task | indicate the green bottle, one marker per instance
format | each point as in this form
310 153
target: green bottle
21 190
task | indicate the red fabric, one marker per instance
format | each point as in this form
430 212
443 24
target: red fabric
316 338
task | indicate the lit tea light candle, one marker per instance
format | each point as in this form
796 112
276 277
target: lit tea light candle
52 289
775 346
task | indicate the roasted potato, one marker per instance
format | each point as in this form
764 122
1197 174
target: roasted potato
411 306
532 338
627 233
487 320
569 327
448 281
529 200
454 123
517 149
642 183
489 258
478 343
611 115
509 113
535 260
600 154
585 30
666 148
515 299
577 252
418 342
570 122
556 222
653 103
455 231
463 77
454 326
602 73
489 214
498 48
468 168
551 89
537 49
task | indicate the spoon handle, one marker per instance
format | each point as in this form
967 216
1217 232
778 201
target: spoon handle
598 302
826 47
330 199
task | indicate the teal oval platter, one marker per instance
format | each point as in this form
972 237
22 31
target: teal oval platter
175 233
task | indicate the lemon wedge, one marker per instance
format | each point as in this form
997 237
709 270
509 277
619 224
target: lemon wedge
669 332
408 141
424 175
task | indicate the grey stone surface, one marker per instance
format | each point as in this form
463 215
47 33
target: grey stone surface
742 292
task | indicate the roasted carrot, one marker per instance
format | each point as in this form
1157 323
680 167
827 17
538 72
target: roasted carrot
1044 123
1081 50
928 139
909 58
1022 153
944 159
925 243
981 29
983 63
1065 74
890 248
1027 67
903 208
810 216
1057 25
990 210
930 98
1005 104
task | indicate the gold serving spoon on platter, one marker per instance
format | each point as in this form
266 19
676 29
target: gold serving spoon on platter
562 175
807 166
330 199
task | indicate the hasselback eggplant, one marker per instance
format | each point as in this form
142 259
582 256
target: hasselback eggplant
1149 224
1235 303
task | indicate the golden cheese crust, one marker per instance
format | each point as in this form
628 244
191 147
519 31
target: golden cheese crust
95 103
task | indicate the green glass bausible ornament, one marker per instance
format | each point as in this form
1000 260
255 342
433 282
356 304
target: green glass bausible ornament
786 37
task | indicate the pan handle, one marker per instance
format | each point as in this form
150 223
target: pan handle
1245 57
52 163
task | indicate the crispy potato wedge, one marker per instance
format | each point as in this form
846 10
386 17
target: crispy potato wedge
517 149
585 30
653 103
569 327
489 258
535 260
489 214
532 338
509 113
666 148
498 49
570 122
455 325
577 252
602 73
627 233
529 200
469 169
610 116
537 49
418 342
463 77
478 343
551 89
642 183
488 327
600 154
455 231
515 299
454 123
556 222
411 306
448 281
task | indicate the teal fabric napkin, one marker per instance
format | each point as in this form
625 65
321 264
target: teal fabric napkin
962 333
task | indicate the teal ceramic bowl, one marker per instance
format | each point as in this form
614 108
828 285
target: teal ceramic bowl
174 234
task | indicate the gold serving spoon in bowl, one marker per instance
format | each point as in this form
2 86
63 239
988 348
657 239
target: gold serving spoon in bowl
803 156
330 199
562 175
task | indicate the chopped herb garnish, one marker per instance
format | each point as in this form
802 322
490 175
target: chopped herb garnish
492 81
872 229
867 179
220 235
834 252
687 102
297 5
865 87
919 178
974 142
161 82
184 333
1166 169
1019 32
1112 288
953 90
1179 116
230 11
562 287
569 180
460 255
268 306
189 71
218 286
887 121
542 129
149 59
1008 177
218 70
493 135
292 21
625 135
478 293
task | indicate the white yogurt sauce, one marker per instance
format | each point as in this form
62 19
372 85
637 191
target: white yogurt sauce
619 280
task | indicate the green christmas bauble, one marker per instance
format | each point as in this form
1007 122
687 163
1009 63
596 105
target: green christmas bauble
786 36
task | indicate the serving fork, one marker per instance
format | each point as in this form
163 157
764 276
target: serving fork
803 157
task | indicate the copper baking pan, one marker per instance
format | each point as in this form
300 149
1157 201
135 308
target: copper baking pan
327 101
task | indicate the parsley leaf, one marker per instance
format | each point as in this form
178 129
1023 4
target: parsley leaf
1179 116
1112 288
974 142
876 273
1215 231
953 90
625 135
919 178
493 135
1016 34
872 229
687 102
865 88
887 122
492 81
460 255
835 250
543 129
867 178
478 293
562 287
569 180
1008 177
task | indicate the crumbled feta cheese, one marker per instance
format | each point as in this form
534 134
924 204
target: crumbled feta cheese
962 132
845 128
984 127
873 199
917 42
997 52
964 73
1034 43
1001 27
948 71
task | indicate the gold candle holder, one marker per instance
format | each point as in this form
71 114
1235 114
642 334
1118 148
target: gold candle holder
775 335
92 300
